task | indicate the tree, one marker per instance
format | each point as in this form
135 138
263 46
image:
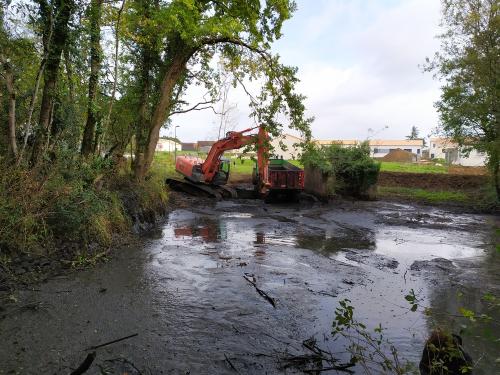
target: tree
414 133
469 65
55 17
88 144
170 41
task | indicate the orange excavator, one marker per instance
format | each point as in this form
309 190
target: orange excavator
210 176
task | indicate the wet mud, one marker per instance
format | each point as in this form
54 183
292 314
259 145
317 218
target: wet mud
185 290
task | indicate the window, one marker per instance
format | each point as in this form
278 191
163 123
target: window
381 150
408 149
444 150
418 151
432 156
433 145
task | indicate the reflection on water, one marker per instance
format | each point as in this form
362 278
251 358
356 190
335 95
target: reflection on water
218 230
205 229
326 245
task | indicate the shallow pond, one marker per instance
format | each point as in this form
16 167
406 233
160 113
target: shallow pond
185 294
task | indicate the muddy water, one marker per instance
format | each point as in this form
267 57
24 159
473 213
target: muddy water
184 294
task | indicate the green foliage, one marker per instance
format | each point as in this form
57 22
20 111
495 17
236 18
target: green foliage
370 349
148 196
468 65
413 300
354 170
413 133
39 208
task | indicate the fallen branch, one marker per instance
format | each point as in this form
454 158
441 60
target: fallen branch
231 363
112 342
317 358
260 291
85 364
343 368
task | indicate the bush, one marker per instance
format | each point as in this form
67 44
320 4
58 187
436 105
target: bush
354 170
69 203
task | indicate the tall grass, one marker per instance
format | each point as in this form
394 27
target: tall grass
75 200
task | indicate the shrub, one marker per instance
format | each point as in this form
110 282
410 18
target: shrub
38 208
354 170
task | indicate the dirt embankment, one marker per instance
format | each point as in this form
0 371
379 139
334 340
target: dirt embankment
433 181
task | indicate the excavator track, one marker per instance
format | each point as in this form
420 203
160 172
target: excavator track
199 189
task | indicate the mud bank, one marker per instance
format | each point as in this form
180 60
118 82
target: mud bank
184 293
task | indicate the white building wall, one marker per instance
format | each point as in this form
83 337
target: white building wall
384 150
475 159
292 152
437 150
167 145
443 149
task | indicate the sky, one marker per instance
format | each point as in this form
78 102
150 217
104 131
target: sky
360 66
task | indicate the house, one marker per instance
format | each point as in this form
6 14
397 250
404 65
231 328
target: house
166 144
204 146
189 146
292 149
444 148
380 147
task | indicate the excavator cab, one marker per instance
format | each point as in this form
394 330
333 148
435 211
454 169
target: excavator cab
222 174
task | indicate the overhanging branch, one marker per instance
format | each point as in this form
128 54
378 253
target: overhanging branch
197 107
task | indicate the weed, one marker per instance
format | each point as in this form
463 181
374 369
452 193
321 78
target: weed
39 208
371 350
86 260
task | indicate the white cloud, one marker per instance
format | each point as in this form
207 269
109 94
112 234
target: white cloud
359 67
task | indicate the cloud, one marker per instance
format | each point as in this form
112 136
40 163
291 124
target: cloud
358 65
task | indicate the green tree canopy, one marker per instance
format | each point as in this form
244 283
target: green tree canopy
174 44
469 66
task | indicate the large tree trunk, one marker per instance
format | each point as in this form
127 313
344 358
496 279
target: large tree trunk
9 82
95 66
145 154
55 42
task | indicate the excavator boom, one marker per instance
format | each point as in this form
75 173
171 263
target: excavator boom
209 171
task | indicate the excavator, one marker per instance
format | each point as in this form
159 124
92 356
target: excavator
272 178
210 176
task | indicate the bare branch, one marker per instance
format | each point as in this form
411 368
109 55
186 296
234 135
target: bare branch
197 107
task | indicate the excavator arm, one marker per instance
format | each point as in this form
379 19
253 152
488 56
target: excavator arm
236 140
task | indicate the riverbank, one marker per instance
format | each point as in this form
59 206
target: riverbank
71 220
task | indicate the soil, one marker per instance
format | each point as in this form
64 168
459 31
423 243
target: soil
475 171
433 181
184 289
399 155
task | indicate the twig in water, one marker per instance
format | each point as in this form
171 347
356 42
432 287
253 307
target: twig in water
85 364
343 368
230 363
260 291
112 342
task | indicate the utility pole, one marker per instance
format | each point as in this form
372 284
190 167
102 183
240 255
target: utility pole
175 143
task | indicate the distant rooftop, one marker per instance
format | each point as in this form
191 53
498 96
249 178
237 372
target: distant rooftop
372 142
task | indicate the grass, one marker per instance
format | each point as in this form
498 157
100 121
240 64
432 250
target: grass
433 196
390 166
164 161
